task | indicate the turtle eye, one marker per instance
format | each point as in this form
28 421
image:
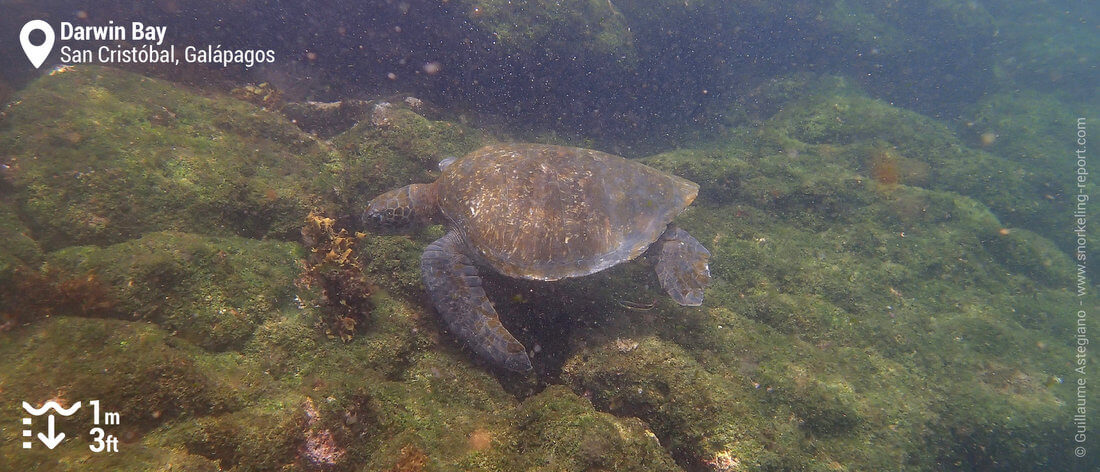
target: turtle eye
394 218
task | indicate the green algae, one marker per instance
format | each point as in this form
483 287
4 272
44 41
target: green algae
19 247
263 436
860 318
394 261
279 344
135 369
591 29
958 305
556 430
20 251
1026 126
116 358
212 291
841 118
393 148
659 383
91 165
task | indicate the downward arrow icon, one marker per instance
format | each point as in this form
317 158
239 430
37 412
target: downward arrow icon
50 440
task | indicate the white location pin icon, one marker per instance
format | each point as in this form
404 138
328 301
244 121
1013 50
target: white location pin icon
37 54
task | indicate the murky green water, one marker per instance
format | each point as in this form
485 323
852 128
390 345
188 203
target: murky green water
895 199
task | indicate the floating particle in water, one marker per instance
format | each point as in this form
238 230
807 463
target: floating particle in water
988 138
432 68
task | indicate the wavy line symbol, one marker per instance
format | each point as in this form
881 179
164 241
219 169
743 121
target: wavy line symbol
51 405
51 439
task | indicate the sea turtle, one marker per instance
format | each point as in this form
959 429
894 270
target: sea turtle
540 212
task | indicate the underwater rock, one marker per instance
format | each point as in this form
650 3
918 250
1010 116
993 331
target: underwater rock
20 253
872 309
593 30
133 368
558 430
857 260
327 119
1024 126
263 95
692 414
264 436
212 291
96 156
18 248
848 122
395 146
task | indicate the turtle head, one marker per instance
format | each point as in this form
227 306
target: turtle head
404 209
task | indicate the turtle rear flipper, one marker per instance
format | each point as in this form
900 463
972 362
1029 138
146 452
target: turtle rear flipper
456 292
682 266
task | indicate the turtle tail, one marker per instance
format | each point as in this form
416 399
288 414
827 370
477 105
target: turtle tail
455 288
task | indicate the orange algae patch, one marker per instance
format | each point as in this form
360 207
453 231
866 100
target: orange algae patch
888 167
884 168
333 267
479 439
412 460
54 292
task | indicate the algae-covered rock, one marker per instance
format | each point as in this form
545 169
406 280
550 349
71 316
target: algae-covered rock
874 307
394 147
860 255
425 412
592 29
1025 126
843 118
212 291
97 156
178 405
19 247
693 414
560 431
135 369
264 436
19 252
137 457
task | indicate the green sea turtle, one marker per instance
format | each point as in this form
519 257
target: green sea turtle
540 212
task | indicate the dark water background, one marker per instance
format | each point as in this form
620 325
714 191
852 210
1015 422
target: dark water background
688 64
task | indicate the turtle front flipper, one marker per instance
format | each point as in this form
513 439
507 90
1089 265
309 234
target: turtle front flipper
456 292
682 266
